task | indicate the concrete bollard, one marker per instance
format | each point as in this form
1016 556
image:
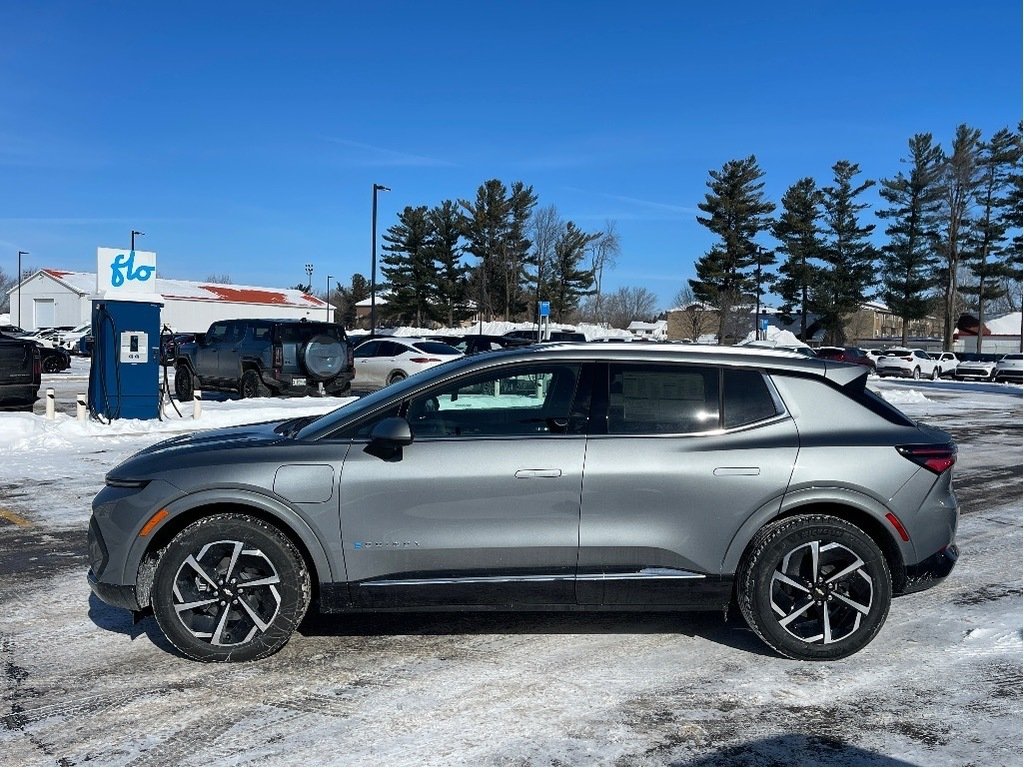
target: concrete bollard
51 404
197 403
80 403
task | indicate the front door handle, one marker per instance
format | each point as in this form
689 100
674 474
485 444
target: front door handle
528 473
734 471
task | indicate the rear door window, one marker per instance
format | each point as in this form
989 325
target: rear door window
652 399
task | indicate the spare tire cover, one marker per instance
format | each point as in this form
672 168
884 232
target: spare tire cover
324 357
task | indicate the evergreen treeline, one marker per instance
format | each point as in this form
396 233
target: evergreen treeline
952 222
952 242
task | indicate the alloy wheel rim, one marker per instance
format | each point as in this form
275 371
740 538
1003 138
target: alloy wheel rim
820 592
227 593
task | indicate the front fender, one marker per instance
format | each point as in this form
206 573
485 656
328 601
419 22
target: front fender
816 496
276 509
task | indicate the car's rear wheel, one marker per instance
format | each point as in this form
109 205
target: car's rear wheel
917 373
814 587
51 365
396 377
935 374
230 587
184 383
252 385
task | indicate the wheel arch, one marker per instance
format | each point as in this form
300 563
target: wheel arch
855 509
189 509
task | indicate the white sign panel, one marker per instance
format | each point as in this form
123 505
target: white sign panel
122 270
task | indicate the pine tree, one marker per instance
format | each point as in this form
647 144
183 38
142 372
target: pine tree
516 250
445 250
848 259
569 282
737 212
960 177
485 227
797 230
990 254
408 268
909 259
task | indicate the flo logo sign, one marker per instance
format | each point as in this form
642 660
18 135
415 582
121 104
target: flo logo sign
119 270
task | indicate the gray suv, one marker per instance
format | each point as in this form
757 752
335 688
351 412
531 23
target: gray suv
263 358
582 477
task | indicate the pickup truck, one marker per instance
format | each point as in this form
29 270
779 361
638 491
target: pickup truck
20 373
266 358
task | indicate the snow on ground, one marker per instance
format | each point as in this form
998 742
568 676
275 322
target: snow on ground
940 685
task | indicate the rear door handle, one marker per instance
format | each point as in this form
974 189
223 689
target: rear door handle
528 473
733 471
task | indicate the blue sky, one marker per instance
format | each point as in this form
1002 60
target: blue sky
244 138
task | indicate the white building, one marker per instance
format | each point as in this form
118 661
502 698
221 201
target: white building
52 298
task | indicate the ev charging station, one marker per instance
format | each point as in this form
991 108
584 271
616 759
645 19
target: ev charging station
124 374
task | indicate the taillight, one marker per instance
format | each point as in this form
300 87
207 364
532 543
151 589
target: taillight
278 359
37 370
937 458
424 360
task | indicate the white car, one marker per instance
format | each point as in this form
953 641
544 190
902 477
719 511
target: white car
69 339
947 362
385 360
980 370
908 363
1009 368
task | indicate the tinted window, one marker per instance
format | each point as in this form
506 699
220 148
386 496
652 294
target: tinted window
218 332
662 399
523 401
746 398
291 333
369 349
435 348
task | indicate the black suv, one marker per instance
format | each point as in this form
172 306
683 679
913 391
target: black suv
264 358
20 369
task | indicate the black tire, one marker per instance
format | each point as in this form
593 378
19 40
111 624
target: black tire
184 383
51 365
343 391
935 374
207 565
917 374
787 609
252 385
396 377
324 357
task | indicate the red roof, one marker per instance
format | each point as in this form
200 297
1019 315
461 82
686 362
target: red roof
252 295
56 273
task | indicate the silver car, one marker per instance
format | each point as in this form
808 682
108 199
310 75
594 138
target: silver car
579 477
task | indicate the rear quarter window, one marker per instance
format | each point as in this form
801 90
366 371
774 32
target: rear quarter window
746 398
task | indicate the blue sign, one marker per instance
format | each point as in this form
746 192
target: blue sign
545 309
764 324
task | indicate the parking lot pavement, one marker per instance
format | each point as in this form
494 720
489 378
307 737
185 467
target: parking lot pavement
940 685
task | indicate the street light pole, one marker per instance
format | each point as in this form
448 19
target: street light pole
20 254
134 233
757 312
329 298
373 261
309 277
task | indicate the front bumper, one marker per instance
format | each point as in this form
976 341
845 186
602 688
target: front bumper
117 595
932 570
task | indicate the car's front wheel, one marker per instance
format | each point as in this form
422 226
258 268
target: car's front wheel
814 587
230 587
935 374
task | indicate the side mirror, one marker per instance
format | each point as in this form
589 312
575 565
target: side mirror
393 431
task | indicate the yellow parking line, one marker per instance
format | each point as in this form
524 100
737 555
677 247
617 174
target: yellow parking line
13 518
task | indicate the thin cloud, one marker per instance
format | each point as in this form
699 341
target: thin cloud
382 156
651 204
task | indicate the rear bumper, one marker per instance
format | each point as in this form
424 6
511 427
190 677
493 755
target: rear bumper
932 570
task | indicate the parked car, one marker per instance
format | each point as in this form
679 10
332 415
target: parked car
170 343
612 477
386 360
70 340
853 355
908 363
20 370
563 334
474 343
947 362
53 359
1010 368
265 358
979 370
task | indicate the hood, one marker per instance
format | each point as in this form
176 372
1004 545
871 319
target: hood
149 461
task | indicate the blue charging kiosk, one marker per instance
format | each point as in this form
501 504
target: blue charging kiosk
124 374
